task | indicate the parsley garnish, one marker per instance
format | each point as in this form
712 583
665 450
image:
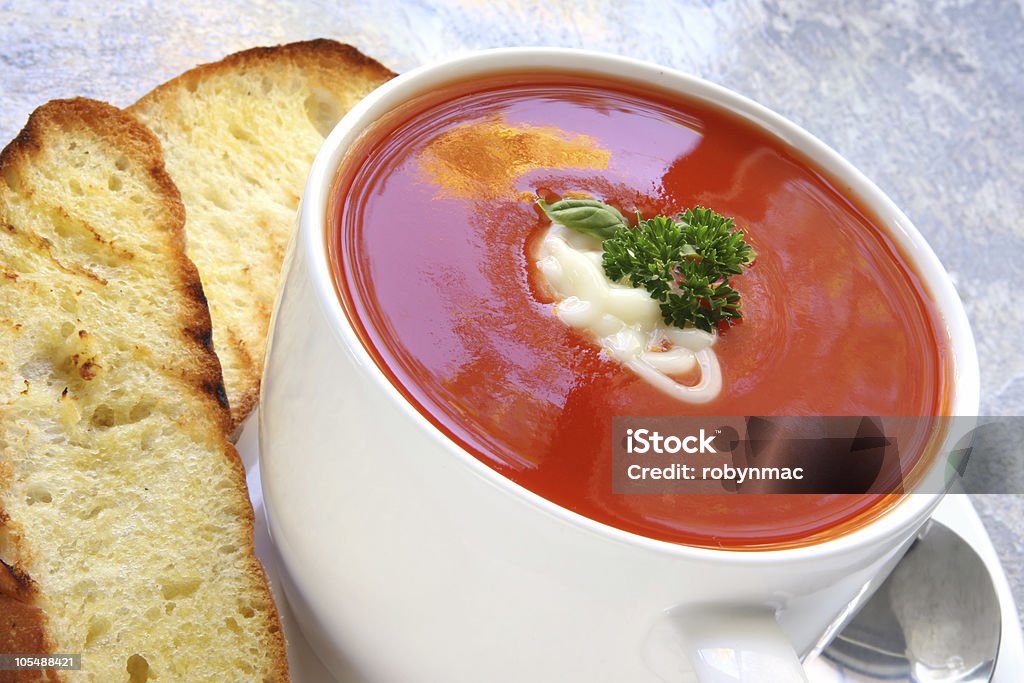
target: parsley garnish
684 262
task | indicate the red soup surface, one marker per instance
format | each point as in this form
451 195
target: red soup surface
432 236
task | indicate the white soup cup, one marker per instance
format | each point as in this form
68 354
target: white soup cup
408 560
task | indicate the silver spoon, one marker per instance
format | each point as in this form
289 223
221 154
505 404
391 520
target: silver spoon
936 619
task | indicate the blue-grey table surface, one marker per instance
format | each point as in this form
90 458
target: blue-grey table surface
925 97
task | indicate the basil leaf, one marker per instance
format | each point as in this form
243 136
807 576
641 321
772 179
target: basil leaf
587 216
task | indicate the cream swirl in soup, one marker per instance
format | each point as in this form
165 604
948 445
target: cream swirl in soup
626 321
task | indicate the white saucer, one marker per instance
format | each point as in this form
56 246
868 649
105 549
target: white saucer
955 511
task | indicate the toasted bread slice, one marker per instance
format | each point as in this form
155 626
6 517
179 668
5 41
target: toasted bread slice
239 137
125 526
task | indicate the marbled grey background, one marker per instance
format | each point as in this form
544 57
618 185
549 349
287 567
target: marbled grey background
926 98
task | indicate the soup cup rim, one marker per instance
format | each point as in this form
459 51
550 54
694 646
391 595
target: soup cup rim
312 238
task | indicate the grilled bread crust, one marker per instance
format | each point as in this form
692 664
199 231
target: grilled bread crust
239 136
125 525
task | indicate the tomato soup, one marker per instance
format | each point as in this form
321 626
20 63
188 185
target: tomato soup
433 234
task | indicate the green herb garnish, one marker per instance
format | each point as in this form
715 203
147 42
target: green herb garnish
684 262
588 216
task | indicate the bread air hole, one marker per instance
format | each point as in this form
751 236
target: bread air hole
13 180
323 110
92 512
103 416
98 626
239 133
173 589
138 669
140 411
114 183
38 493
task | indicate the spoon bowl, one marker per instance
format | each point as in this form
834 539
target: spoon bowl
936 619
